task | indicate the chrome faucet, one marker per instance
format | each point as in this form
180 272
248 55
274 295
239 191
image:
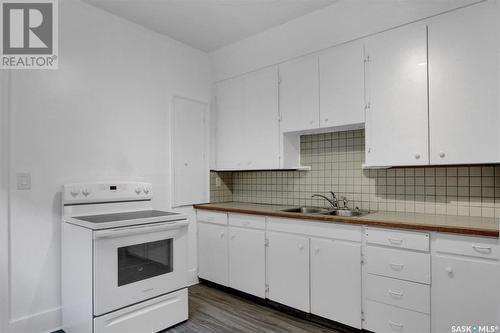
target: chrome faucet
333 201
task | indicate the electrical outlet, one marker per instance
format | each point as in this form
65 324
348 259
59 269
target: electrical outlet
23 181
217 182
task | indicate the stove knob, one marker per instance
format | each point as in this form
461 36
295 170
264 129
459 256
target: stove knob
86 192
74 192
138 190
146 190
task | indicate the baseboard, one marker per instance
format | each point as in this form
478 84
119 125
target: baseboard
46 321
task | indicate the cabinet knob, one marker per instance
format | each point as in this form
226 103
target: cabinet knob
316 250
442 154
233 236
222 235
417 156
369 150
186 163
326 120
311 122
449 270
301 247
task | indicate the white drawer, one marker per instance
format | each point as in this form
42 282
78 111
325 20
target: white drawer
344 231
211 217
483 247
247 221
383 318
400 264
408 295
398 238
150 316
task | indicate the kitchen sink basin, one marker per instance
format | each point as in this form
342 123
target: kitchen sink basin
346 212
307 210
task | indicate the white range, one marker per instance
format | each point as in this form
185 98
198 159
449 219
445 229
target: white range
124 265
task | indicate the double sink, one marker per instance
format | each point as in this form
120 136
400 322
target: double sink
325 211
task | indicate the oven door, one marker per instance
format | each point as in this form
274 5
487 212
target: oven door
133 264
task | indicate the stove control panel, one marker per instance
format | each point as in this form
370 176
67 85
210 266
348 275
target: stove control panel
87 193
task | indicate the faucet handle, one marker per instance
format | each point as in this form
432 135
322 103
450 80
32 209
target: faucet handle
344 201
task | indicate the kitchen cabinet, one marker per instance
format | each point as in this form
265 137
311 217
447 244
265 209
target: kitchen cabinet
342 85
336 280
288 263
299 94
463 86
247 124
247 261
397 113
213 253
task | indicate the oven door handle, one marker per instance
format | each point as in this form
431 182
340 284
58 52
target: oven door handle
140 229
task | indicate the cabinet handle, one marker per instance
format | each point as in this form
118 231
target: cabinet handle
417 156
326 120
482 249
394 324
397 267
395 293
442 154
301 247
222 235
311 122
316 250
233 236
449 270
395 241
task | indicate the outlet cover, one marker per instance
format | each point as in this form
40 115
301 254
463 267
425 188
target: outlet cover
23 181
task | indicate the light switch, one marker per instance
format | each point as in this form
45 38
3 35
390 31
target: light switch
23 181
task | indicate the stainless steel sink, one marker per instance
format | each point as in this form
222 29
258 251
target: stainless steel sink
307 210
347 212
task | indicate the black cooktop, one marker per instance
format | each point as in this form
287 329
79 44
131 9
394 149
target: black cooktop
142 214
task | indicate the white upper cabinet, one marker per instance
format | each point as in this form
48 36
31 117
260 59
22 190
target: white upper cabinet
342 84
247 125
464 86
299 94
397 117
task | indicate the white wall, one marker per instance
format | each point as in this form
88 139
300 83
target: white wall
103 115
343 21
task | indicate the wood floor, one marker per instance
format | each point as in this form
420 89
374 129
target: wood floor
214 311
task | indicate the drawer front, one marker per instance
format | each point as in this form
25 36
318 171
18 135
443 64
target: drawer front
318 229
398 238
383 318
399 264
247 221
408 295
482 247
150 316
211 217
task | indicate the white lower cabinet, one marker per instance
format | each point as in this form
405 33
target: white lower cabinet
288 263
247 261
336 280
464 289
213 253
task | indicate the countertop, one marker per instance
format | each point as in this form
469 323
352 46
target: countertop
444 223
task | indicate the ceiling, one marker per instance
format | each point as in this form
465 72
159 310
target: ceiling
209 24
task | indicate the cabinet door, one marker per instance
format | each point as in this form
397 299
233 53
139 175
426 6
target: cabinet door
247 261
397 119
299 94
463 292
212 253
230 104
463 86
342 85
336 281
288 263
260 126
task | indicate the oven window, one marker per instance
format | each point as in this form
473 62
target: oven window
143 261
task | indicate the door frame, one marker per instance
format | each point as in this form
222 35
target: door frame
5 86
172 150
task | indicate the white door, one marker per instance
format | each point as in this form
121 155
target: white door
342 85
299 94
396 121
464 86
260 126
463 292
212 253
189 152
230 95
288 263
336 280
247 261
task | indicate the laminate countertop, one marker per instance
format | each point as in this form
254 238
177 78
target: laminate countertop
467 225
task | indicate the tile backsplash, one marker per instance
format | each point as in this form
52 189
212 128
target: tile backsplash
336 165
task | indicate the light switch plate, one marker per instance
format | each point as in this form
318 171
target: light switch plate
23 181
